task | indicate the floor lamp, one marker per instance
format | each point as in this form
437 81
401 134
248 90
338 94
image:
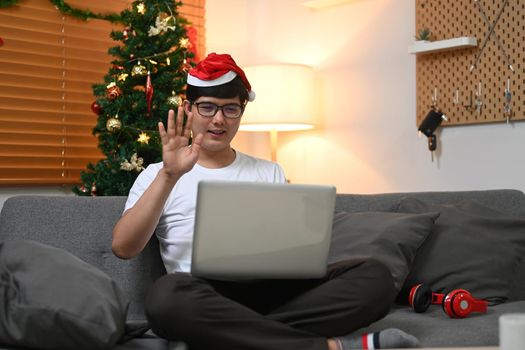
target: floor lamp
284 100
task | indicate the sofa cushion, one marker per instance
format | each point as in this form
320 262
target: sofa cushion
471 247
392 238
82 226
50 299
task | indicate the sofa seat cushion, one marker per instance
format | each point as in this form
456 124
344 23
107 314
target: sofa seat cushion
472 247
50 299
392 238
435 329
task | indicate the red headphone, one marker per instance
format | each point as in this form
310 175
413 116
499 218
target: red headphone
458 303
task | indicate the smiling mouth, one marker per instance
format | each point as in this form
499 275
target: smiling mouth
217 132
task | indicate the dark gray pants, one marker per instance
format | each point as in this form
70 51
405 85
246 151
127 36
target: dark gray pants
270 314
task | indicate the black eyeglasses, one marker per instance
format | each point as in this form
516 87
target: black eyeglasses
230 110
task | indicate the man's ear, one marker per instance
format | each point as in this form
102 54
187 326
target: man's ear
187 106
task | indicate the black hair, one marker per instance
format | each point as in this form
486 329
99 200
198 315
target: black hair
232 89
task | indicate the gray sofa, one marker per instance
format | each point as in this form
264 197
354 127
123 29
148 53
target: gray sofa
82 226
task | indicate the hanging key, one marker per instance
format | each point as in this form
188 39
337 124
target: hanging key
432 145
507 107
455 100
479 100
434 103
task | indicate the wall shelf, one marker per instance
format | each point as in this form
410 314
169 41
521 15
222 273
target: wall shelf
421 47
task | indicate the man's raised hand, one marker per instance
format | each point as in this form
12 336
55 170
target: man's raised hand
177 156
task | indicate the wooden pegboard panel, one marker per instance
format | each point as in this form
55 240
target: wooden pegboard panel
449 71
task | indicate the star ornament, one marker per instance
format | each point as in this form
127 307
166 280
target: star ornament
143 138
122 76
184 43
141 8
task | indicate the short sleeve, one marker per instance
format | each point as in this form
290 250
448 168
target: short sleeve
140 185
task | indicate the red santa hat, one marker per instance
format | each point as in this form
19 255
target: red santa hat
217 70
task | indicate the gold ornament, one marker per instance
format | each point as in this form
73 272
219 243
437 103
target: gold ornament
138 69
143 138
135 163
113 92
113 124
163 23
174 100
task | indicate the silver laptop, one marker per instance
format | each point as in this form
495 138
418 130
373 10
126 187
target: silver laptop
246 230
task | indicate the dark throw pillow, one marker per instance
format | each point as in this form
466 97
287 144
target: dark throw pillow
392 238
50 299
471 247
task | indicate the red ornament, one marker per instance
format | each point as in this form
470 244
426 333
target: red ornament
96 108
128 32
113 92
1 41
94 189
149 92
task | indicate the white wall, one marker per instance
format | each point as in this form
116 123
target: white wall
366 80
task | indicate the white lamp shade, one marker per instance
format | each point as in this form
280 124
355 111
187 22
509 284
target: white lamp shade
284 98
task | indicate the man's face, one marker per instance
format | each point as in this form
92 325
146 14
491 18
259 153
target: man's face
218 130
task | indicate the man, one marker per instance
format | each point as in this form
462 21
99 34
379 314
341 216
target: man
267 314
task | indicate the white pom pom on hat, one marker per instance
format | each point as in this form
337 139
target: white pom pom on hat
218 69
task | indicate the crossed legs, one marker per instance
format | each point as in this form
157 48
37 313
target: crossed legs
270 314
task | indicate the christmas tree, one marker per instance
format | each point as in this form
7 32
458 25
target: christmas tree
145 80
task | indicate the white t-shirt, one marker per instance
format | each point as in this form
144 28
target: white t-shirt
175 228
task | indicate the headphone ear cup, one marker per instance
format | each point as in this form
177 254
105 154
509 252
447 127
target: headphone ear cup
420 298
458 303
446 303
